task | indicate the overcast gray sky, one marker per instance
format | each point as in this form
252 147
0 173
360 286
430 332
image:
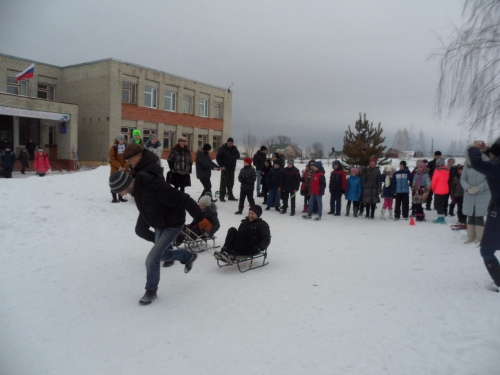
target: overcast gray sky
300 68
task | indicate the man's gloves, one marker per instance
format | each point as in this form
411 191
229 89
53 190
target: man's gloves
472 190
205 225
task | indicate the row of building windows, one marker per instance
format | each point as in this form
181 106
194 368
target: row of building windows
44 91
129 95
169 139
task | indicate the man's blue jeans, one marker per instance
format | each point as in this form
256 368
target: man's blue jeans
259 179
273 198
315 198
160 252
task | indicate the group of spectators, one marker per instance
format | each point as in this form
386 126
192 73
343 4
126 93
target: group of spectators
8 159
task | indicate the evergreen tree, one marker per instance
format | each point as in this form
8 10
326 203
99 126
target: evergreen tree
365 143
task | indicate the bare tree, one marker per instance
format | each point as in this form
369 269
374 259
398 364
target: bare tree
317 150
284 139
269 140
249 143
420 144
402 140
470 68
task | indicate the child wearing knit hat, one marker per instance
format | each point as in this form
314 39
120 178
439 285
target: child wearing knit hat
353 192
247 179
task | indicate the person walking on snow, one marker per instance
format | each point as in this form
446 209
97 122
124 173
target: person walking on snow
247 179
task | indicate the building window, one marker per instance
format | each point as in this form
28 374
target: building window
218 110
202 139
215 143
167 140
150 97
129 92
17 87
147 133
187 104
190 140
170 101
125 130
203 108
46 91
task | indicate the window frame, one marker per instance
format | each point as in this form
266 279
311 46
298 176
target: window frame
189 137
50 90
203 139
187 104
19 86
203 107
125 130
153 97
218 110
131 90
215 142
167 139
172 97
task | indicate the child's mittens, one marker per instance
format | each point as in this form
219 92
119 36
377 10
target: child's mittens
205 225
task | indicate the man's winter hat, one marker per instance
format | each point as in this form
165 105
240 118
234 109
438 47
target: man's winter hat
440 162
153 136
311 162
182 139
230 139
495 148
136 132
354 170
257 209
131 151
248 160
373 159
290 161
438 153
119 181
318 164
402 162
120 137
206 200
336 162
207 147
263 148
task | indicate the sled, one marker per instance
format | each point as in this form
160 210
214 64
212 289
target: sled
196 243
247 258
458 227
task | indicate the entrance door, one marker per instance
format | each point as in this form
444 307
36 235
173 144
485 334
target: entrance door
29 128
7 129
52 135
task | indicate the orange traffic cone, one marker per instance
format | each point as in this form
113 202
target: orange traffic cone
412 221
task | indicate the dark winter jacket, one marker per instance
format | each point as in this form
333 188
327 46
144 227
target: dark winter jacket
274 178
401 180
160 205
354 189
338 181
318 182
258 160
148 163
8 159
257 235
456 189
263 181
371 185
290 180
24 157
204 165
247 178
431 166
227 157
280 159
211 215
453 174
387 191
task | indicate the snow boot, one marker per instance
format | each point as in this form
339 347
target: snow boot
306 216
347 211
471 233
231 196
189 263
479 234
452 208
493 268
382 214
317 218
283 211
168 263
149 296
306 207
439 220
115 199
239 212
292 213
390 215
355 211
120 198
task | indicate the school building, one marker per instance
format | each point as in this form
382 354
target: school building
80 109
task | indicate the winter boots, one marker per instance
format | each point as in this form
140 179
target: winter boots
439 220
348 208
115 199
493 268
306 207
382 214
420 217
471 233
239 212
230 195
149 296
390 214
189 263
355 211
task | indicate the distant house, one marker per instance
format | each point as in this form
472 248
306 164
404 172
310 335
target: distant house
393 153
289 151
406 154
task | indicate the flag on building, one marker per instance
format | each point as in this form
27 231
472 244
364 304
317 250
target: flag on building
26 73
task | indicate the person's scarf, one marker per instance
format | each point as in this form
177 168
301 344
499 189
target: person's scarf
120 148
309 173
387 182
418 184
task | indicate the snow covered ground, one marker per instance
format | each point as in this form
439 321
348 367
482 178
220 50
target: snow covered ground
339 296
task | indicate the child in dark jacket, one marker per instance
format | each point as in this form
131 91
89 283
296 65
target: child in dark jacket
353 192
263 181
337 186
318 186
247 179
457 195
24 158
289 185
273 180
387 191
8 159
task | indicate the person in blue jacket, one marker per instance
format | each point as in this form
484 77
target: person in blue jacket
353 192
490 242
401 181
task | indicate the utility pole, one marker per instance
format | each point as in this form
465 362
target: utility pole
432 146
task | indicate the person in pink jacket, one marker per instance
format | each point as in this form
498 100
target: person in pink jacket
441 189
42 164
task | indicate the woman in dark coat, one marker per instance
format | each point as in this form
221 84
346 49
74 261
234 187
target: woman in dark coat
491 169
180 163
371 187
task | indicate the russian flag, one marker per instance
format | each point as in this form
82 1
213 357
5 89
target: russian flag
26 73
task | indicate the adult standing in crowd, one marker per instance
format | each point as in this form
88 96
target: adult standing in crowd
117 162
289 185
31 147
259 160
431 167
41 164
8 160
24 158
154 145
227 157
371 187
476 198
453 173
204 168
491 169
180 163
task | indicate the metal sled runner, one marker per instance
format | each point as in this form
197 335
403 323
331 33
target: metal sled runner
196 243
245 258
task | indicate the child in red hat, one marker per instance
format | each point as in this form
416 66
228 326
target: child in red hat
247 179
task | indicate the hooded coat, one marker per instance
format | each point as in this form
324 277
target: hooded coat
475 204
116 160
41 164
371 185
354 189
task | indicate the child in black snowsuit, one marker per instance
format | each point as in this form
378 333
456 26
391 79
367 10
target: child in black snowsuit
265 185
247 179
8 160
23 158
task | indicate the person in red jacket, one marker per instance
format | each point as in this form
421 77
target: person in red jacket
441 189
318 186
337 186
42 164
